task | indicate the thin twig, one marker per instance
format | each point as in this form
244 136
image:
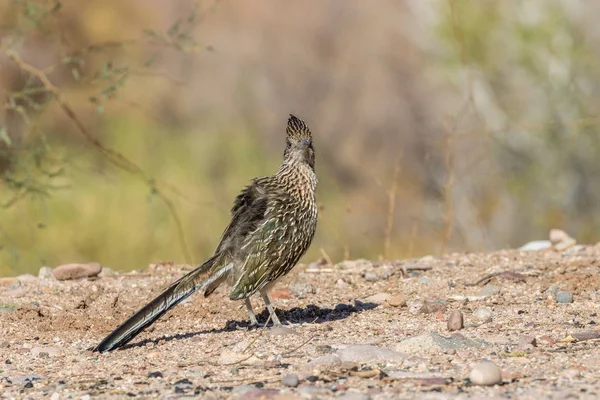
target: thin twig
299 347
113 156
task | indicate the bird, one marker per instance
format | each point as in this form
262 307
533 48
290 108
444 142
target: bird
273 223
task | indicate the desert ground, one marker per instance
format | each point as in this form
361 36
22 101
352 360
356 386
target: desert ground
358 329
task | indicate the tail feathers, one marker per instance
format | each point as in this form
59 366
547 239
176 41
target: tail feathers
169 298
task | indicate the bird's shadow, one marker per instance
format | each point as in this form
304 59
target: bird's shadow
310 314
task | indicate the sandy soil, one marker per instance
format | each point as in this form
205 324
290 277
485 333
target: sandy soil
203 347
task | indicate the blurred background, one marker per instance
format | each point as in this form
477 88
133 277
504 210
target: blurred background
127 127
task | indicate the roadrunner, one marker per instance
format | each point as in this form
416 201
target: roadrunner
273 221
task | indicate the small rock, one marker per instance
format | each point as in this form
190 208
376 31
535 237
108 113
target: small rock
76 271
561 240
301 289
536 245
455 321
241 389
431 307
414 307
106 272
364 353
341 284
371 277
485 373
155 374
483 314
552 290
27 278
46 273
397 301
290 380
9 281
564 297
527 342
489 290
354 396
583 336
378 298
325 362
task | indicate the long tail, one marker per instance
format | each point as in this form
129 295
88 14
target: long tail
169 298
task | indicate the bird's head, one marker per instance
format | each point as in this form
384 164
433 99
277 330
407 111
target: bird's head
299 146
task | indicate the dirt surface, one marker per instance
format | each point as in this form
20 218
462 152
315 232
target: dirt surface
203 347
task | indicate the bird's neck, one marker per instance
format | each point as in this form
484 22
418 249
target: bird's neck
298 175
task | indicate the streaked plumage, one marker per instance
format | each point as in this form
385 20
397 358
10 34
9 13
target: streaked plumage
273 221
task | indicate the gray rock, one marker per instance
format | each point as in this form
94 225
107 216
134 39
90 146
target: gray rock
485 373
378 298
45 273
552 290
76 271
536 245
425 343
455 321
26 278
290 380
241 389
106 272
564 297
324 362
354 396
364 353
483 314
489 290
371 277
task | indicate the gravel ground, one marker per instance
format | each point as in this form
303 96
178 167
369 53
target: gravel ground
359 329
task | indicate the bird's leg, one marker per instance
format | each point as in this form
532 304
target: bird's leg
253 321
265 297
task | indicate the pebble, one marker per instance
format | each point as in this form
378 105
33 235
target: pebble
483 314
455 321
26 278
106 272
155 374
281 331
527 342
485 373
364 353
9 281
341 284
354 396
76 271
536 245
377 298
431 307
489 290
327 361
371 277
564 297
397 301
290 380
46 273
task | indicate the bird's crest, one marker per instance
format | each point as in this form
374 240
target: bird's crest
297 129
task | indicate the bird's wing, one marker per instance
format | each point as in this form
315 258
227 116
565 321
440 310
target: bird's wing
263 249
247 213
